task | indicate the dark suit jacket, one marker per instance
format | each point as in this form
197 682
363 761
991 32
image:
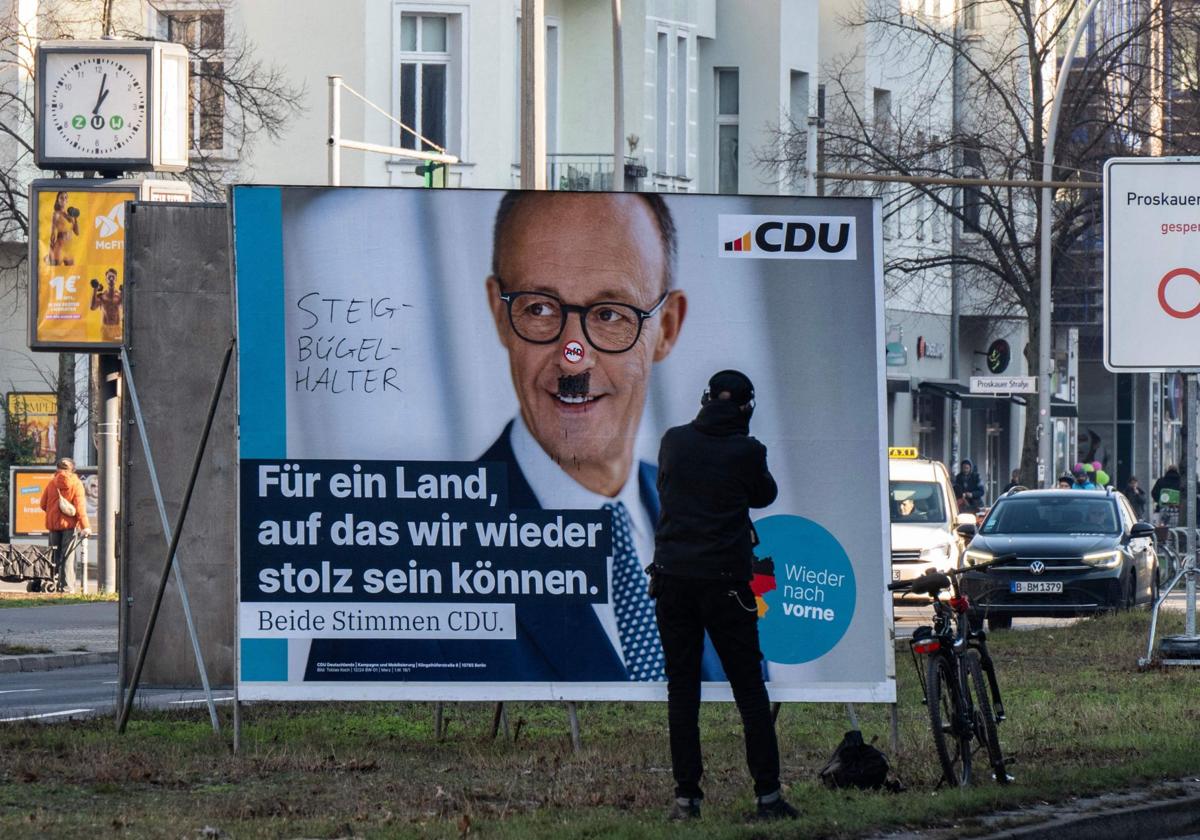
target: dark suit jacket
556 642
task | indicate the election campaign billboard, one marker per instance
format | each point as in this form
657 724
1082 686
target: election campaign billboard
450 403
1151 269
36 414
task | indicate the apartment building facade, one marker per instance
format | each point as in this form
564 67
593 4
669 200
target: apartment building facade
719 96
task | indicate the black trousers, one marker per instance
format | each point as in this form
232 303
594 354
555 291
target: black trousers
686 608
60 541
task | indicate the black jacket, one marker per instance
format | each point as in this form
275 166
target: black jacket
972 484
710 473
1170 480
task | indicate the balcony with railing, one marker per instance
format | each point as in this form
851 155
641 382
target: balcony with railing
585 172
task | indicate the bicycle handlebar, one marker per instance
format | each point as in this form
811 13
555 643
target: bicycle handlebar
933 582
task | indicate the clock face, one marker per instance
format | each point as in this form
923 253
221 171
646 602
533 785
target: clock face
96 105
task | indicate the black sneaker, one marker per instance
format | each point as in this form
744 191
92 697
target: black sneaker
684 809
775 807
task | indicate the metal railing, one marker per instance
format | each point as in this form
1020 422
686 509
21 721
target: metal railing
1179 548
583 171
579 172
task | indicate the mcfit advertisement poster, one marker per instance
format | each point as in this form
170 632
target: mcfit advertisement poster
80 266
450 405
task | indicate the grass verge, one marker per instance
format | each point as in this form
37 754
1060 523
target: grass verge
7 649
1082 719
12 600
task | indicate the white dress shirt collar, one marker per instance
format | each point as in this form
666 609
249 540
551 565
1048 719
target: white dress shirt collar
555 489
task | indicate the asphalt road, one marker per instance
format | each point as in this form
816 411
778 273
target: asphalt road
87 691
62 628
909 616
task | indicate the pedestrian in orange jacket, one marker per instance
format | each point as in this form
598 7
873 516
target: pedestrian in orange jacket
65 502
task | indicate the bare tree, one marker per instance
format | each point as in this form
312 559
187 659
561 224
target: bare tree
235 98
979 88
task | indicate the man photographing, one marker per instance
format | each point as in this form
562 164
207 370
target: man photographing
710 473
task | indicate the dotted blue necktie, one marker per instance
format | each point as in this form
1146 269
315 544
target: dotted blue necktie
635 611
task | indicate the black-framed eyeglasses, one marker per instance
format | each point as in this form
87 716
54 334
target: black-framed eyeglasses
609 326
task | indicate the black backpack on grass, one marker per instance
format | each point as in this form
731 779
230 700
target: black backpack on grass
856 764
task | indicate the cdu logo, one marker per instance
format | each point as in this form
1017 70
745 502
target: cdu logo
787 237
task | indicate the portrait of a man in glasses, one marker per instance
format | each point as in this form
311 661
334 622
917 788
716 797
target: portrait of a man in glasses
583 296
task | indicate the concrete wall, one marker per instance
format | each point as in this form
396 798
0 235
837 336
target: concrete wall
179 322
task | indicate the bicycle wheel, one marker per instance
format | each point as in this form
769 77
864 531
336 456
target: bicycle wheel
984 719
953 746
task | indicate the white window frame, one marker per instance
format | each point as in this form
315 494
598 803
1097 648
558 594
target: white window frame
662 101
456 58
669 126
719 120
681 109
158 23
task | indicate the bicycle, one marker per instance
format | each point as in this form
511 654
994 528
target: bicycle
961 708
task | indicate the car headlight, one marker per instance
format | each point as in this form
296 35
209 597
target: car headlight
974 556
1103 559
935 554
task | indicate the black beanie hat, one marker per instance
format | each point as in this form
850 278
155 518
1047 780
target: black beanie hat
739 386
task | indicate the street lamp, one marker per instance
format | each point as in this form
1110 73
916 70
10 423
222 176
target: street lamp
1045 476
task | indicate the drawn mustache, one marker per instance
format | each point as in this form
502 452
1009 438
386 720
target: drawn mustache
575 385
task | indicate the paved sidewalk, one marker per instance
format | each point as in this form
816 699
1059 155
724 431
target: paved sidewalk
75 634
1163 810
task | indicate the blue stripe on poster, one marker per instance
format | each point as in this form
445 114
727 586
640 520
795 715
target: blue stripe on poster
258 254
264 660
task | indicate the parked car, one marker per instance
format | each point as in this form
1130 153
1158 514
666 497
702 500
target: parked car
924 515
1058 553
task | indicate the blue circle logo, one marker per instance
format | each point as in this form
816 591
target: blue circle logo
805 588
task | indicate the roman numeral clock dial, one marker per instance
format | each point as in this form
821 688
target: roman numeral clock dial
96 106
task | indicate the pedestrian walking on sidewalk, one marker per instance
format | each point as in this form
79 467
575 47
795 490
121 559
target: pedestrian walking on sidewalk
710 473
65 502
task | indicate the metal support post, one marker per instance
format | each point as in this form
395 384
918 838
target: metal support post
894 716
335 131
1184 649
109 432
500 719
237 722
1045 438
439 720
573 719
853 715
618 181
172 536
1189 475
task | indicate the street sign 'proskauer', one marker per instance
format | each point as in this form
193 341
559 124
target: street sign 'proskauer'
1152 264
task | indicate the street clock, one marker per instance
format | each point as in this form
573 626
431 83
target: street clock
112 106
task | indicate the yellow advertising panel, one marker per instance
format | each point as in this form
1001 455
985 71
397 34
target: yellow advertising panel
37 416
80 264
26 485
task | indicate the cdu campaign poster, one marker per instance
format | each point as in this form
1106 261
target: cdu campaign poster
450 403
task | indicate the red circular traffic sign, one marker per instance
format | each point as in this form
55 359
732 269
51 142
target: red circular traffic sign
1162 293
